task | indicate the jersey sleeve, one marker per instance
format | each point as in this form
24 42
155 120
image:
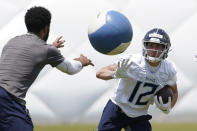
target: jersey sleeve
172 75
54 56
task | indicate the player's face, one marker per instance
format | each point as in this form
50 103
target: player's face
154 49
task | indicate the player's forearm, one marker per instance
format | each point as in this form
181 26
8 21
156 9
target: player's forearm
105 75
70 66
175 97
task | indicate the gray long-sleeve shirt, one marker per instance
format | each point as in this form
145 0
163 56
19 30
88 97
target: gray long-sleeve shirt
22 58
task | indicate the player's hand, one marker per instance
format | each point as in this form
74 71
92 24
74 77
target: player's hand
122 69
165 108
84 60
58 43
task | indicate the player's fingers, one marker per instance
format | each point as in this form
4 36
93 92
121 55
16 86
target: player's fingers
58 38
90 63
62 42
60 46
130 64
169 99
168 104
155 98
157 102
81 55
122 64
118 64
126 62
160 100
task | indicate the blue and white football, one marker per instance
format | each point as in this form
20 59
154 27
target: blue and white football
110 32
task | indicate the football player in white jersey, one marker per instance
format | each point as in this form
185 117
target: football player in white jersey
141 76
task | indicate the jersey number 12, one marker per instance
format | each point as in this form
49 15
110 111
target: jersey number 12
138 85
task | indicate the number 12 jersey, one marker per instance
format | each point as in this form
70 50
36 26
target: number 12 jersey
135 93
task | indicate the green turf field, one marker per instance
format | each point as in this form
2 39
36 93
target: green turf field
83 127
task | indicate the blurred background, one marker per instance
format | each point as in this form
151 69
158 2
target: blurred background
56 98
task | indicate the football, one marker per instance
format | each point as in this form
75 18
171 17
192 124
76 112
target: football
110 32
165 92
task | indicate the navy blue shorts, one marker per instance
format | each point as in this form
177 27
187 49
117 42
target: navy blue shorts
113 119
13 116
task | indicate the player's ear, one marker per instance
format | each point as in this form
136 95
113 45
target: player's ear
44 32
46 29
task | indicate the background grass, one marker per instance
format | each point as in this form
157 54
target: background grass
91 127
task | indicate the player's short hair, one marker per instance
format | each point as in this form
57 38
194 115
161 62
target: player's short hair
36 18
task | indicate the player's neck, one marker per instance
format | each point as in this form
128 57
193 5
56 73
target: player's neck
37 34
153 64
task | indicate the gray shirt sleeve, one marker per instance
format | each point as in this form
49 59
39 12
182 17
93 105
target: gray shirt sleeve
54 56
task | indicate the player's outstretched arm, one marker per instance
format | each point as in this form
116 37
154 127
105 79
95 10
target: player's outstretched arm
74 66
106 73
119 70
84 60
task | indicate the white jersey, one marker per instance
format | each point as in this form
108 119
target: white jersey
135 93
